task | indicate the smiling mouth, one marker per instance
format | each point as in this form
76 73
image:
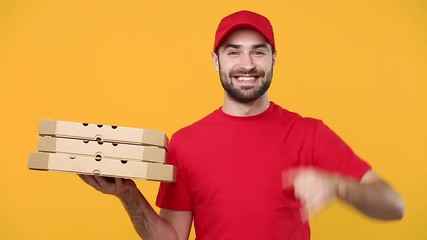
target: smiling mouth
246 78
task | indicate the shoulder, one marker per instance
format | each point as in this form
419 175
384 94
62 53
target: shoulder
295 120
196 128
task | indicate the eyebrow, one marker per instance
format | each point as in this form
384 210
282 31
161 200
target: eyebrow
229 45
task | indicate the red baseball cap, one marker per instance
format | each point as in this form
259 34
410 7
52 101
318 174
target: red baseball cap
240 20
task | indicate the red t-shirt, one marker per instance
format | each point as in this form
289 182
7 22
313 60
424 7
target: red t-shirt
230 169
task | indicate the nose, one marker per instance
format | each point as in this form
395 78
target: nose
247 62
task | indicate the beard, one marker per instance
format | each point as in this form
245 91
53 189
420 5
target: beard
246 94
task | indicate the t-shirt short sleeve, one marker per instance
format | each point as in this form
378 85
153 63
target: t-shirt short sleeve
174 196
331 153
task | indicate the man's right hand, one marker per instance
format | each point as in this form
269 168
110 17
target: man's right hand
148 224
115 186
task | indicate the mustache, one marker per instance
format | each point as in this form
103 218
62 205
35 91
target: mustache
253 71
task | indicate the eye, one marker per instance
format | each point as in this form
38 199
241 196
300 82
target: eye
258 53
233 53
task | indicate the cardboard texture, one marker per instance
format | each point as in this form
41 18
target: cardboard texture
118 151
103 133
103 167
104 150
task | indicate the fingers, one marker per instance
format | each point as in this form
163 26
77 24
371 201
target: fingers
101 184
115 186
304 212
315 204
308 211
89 180
314 188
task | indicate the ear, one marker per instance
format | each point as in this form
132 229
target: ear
274 57
215 61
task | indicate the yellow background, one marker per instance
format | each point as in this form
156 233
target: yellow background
358 65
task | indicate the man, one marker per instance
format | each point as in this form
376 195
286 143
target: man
251 169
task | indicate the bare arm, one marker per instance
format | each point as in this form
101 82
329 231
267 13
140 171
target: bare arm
372 196
147 223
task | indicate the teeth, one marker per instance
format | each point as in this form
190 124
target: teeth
248 79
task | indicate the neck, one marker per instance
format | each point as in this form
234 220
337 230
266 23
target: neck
234 108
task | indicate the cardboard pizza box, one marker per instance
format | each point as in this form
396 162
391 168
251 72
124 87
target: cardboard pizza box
103 166
103 133
118 151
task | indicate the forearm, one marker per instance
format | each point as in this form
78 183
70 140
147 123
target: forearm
375 199
147 223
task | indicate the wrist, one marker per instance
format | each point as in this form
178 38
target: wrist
341 185
128 190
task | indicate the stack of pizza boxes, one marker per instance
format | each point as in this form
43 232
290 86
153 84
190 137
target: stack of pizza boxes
104 150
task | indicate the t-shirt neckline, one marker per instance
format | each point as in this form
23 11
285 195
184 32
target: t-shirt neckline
247 119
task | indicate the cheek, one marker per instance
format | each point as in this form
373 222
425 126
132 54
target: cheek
266 65
225 69
227 63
